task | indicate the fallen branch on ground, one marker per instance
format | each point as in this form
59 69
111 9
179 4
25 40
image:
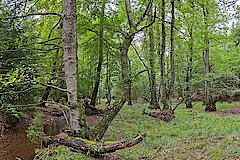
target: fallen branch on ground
96 148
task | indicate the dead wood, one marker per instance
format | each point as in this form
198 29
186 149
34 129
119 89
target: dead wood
93 147
164 115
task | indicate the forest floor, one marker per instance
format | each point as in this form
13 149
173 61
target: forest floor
193 134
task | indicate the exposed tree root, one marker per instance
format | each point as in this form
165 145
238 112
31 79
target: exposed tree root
93 147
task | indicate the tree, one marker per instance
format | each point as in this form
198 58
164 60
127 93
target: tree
77 113
164 89
100 59
153 90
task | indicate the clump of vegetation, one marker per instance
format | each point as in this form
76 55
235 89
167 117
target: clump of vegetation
35 130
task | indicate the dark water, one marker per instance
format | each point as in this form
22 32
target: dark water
15 144
53 129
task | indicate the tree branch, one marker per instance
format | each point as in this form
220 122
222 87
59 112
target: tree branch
49 36
139 57
52 86
145 12
144 27
31 14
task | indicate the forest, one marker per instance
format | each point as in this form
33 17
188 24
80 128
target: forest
119 79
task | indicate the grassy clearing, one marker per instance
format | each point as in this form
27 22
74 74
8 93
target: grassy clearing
193 134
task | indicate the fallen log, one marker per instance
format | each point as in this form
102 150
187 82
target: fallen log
164 115
97 148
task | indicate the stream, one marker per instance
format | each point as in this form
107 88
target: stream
15 144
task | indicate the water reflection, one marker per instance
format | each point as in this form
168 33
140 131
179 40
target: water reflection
56 127
16 144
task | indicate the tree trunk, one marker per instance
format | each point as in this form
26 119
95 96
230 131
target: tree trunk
45 95
130 94
209 102
108 80
153 89
92 147
188 96
188 101
130 85
100 59
101 127
70 64
164 93
172 79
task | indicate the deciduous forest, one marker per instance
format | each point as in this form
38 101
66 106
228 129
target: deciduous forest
119 79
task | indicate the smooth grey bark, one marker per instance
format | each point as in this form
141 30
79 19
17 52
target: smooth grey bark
77 116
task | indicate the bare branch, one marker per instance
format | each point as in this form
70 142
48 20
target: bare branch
31 14
52 86
150 24
145 12
49 36
139 57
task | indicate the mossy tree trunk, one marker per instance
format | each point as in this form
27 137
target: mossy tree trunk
210 101
153 88
188 95
164 90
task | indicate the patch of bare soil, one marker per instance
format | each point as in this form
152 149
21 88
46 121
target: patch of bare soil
93 119
234 110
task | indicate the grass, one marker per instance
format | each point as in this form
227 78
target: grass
193 134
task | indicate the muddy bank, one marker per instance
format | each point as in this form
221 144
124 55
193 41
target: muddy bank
16 144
